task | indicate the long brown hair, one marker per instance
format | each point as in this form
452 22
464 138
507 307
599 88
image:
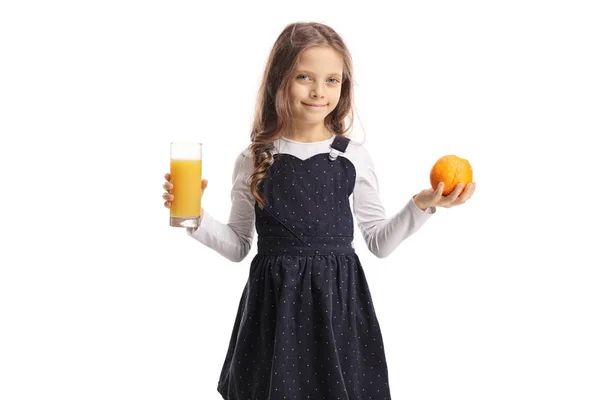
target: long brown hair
273 115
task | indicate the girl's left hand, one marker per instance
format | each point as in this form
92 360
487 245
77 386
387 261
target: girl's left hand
434 198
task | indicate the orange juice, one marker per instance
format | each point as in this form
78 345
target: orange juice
186 177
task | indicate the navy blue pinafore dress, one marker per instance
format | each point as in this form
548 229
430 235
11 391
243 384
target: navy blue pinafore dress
306 328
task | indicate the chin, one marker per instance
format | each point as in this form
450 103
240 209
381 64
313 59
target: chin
314 119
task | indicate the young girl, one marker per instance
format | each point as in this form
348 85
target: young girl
306 327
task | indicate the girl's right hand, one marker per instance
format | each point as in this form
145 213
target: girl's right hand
168 186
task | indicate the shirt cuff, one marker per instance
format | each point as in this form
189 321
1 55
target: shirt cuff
430 210
204 223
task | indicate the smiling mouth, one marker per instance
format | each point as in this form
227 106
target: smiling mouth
315 105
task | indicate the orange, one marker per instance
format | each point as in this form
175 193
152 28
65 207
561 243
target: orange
451 170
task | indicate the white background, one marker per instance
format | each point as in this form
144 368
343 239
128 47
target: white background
101 299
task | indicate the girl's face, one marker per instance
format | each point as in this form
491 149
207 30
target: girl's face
316 84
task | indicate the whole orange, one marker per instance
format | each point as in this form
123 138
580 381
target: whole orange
451 170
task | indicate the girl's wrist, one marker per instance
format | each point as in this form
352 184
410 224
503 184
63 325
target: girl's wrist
418 203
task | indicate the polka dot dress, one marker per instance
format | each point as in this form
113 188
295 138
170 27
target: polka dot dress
306 328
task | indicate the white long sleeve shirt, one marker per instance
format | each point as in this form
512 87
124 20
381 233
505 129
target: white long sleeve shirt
382 235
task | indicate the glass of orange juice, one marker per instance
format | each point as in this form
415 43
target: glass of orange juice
186 177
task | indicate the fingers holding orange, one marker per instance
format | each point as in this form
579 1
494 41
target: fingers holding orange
466 194
439 191
458 189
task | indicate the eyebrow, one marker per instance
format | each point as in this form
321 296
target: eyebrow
305 71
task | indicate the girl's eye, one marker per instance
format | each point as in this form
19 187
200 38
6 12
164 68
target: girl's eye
302 77
334 80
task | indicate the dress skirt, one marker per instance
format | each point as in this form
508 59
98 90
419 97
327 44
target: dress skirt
306 329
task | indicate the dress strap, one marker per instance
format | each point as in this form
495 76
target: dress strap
339 146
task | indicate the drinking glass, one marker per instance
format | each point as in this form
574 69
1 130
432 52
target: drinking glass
186 177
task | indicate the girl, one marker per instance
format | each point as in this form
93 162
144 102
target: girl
306 327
